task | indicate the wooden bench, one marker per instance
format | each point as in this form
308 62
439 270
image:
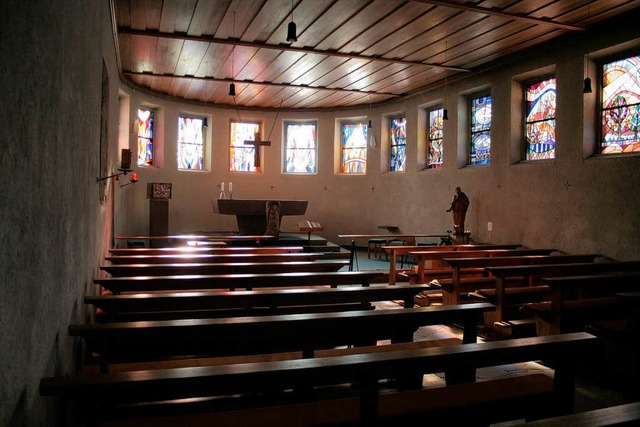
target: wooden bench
297 392
618 415
117 285
161 339
206 250
423 256
212 258
509 300
222 268
175 305
577 301
396 250
456 288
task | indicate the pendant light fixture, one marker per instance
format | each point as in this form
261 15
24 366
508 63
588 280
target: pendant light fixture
232 87
445 113
291 28
587 81
371 139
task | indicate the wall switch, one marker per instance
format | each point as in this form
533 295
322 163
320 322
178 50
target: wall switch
489 226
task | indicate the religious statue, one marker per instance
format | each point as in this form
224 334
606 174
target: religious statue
273 218
458 207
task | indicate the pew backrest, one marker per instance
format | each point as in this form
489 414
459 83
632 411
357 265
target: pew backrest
211 304
207 250
395 250
213 258
533 273
425 255
473 262
237 281
151 340
222 268
107 391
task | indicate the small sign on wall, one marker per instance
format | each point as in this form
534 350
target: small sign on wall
159 190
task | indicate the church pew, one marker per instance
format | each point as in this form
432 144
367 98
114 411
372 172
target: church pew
627 414
225 395
456 288
424 255
117 285
207 250
397 250
508 300
577 301
174 305
212 258
222 268
161 339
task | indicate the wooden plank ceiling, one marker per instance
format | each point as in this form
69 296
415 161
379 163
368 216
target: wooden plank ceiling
347 52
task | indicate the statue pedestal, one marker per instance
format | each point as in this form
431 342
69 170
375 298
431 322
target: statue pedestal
465 239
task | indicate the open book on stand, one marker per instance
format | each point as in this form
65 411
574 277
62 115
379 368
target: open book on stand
309 226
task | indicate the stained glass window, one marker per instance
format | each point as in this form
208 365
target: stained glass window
190 143
300 147
354 147
540 121
145 137
480 131
435 136
241 155
398 140
621 106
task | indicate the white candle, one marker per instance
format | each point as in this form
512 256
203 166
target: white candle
230 187
222 186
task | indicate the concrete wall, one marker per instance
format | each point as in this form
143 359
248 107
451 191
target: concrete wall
576 203
51 217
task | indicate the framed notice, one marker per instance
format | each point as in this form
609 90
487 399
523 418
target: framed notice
159 190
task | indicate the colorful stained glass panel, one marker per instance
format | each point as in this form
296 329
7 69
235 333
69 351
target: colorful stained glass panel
436 134
145 137
398 128
621 106
354 148
540 123
480 131
300 151
190 143
241 155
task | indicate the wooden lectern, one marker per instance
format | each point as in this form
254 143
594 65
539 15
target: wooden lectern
158 194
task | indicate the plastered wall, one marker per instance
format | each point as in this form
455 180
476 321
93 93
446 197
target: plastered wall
575 203
52 222
54 229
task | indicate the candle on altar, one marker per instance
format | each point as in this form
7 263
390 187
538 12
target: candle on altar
230 187
222 186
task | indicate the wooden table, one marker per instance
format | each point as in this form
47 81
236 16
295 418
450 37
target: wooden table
251 214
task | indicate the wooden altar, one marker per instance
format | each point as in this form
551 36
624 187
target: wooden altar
251 214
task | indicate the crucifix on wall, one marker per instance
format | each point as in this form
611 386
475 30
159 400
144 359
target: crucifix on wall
257 142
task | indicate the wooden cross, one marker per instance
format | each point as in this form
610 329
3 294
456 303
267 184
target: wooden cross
257 142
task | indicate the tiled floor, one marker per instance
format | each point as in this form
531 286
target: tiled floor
596 387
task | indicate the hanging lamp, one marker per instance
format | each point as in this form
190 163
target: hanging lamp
586 88
232 86
291 28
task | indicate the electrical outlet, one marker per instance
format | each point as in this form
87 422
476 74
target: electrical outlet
489 226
